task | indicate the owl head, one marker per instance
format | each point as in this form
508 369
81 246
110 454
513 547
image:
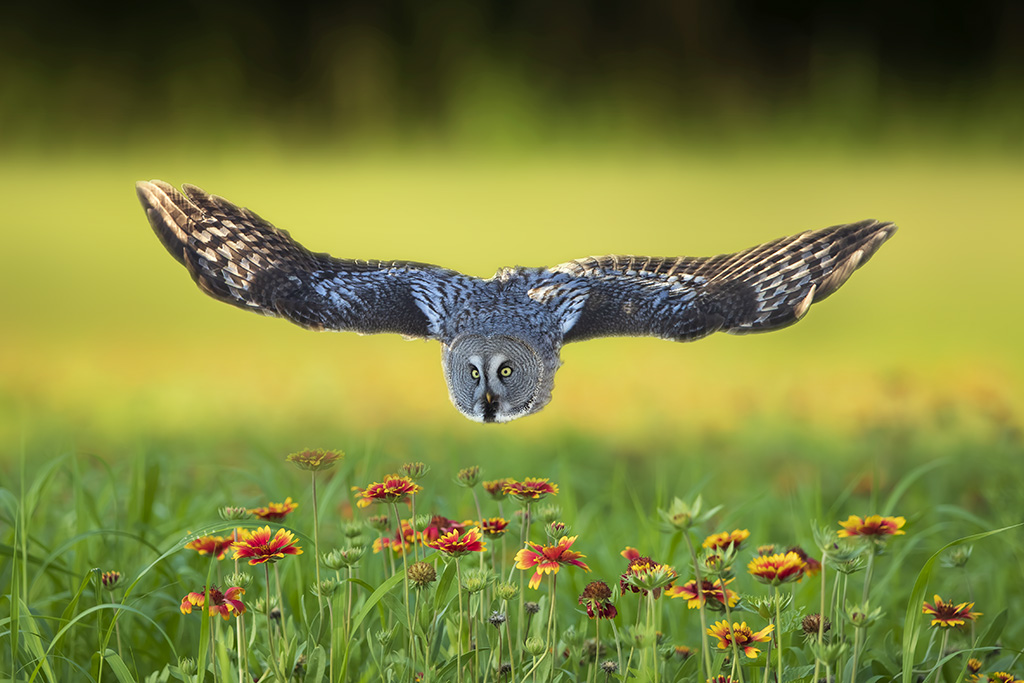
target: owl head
496 378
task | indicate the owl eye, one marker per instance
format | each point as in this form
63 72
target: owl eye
474 373
505 371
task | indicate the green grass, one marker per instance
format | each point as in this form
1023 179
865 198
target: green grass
76 514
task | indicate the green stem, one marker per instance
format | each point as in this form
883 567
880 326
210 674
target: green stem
405 586
821 616
316 554
778 632
458 636
703 615
274 664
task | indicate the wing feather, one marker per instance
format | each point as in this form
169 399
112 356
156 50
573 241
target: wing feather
238 258
763 288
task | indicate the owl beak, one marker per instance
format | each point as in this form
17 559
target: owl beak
490 407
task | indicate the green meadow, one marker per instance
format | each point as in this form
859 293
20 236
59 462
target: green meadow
133 409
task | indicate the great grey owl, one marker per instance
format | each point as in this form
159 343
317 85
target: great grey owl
501 337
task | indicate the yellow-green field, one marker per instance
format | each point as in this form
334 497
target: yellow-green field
103 334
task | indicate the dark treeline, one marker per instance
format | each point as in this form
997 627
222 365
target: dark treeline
416 67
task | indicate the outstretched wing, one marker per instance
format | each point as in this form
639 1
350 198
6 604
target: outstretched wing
757 290
238 258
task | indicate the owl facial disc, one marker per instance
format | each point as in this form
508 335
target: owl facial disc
494 378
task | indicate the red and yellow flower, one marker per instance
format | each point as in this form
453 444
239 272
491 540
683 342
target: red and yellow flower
548 559
530 489
456 545
873 526
713 594
218 546
261 546
777 568
225 604
726 540
393 489
494 527
274 512
1003 677
948 615
742 635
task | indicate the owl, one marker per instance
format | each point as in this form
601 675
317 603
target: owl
501 337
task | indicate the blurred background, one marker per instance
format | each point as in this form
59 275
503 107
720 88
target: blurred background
486 133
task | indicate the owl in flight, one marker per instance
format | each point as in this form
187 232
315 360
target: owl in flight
501 337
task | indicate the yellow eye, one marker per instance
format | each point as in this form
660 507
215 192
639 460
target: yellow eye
474 373
505 371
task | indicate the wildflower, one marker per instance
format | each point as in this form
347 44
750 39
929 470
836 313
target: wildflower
340 558
325 588
439 526
475 580
393 489
494 527
609 666
813 566
218 546
643 575
468 477
232 513
948 615
549 513
421 574
1003 677
722 679
496 488
110 580
766 549
873 527
778 568
274 512
240 579
556 530
710 593
630 553
414 470
548 559
188 666
379 523
811 624
683 652
455 546
506 590
315 460
535 646
973 667
595 597
531 607
530 489
957 557
681 515
742 635
862 616
260 546
497 619
726 540
225 604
